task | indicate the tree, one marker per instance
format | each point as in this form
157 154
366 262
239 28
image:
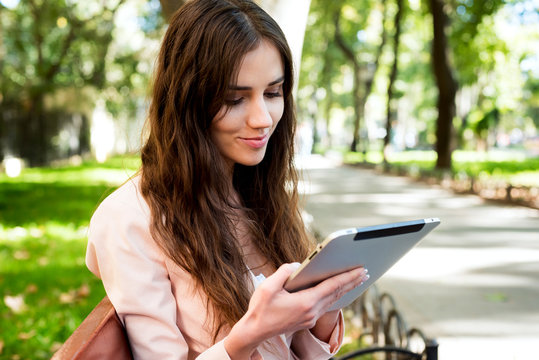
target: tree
318 72
363 71
447 86
466 17
53 47
393 75
474 44
60 57
356 71
474 67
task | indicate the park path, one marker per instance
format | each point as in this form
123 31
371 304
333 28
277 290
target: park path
473 283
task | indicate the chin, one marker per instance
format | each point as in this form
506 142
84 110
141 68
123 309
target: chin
250 158
250 162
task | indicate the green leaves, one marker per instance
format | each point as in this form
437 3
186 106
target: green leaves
57 57
489 54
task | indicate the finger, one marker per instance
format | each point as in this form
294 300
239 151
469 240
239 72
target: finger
279 277
340 284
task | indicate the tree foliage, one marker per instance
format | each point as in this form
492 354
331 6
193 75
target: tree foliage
57 56
347 49
486 71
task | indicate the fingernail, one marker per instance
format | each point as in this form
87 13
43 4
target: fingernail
367 277
365 270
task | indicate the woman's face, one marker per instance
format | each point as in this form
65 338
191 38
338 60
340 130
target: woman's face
254 105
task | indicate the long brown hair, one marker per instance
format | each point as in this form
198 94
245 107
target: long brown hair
183 174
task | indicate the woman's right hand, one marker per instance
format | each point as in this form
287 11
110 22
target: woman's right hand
274 311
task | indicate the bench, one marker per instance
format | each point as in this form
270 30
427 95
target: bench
384 329
100 336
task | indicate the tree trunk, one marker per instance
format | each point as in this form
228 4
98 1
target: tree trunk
358 107
31 133
84 136
327 112
447 86
348 52
393 76
39 148
360 100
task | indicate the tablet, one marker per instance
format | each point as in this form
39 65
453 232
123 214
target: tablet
377 248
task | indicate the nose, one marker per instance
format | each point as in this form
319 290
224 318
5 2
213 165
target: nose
259 116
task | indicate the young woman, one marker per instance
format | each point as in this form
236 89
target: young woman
195 249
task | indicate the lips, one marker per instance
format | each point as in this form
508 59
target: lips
256 142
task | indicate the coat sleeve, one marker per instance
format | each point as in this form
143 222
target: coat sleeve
132 268
306 346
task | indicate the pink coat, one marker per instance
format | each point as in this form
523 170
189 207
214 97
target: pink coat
157 301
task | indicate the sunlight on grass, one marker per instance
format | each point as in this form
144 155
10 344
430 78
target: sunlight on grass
413 156
46 291
492 155
45 288
373 157
65 232
85 174
513 167
79 176
524 178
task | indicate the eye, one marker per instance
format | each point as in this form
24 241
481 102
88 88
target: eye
274 91
272 95
233 102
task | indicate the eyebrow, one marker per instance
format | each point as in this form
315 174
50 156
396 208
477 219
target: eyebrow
274 82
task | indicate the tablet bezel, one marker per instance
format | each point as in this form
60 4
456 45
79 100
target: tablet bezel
343 250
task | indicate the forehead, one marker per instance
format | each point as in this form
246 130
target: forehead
260 66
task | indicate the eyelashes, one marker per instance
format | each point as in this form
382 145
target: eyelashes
239 100
233 102
273 94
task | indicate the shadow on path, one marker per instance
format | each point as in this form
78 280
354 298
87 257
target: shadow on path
476 275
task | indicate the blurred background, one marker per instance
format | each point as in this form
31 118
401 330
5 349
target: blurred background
440 90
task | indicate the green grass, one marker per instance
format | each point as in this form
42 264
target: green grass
45 288
514 168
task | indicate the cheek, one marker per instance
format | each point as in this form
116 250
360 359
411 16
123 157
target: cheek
276 112
225 123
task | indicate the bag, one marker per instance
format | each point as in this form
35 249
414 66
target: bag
100 336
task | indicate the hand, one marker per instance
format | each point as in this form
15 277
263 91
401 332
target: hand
326 323
274 311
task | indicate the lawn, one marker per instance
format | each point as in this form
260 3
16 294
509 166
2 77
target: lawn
45 288
515 168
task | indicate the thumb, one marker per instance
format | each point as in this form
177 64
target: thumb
279 277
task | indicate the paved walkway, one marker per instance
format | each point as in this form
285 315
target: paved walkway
473 283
